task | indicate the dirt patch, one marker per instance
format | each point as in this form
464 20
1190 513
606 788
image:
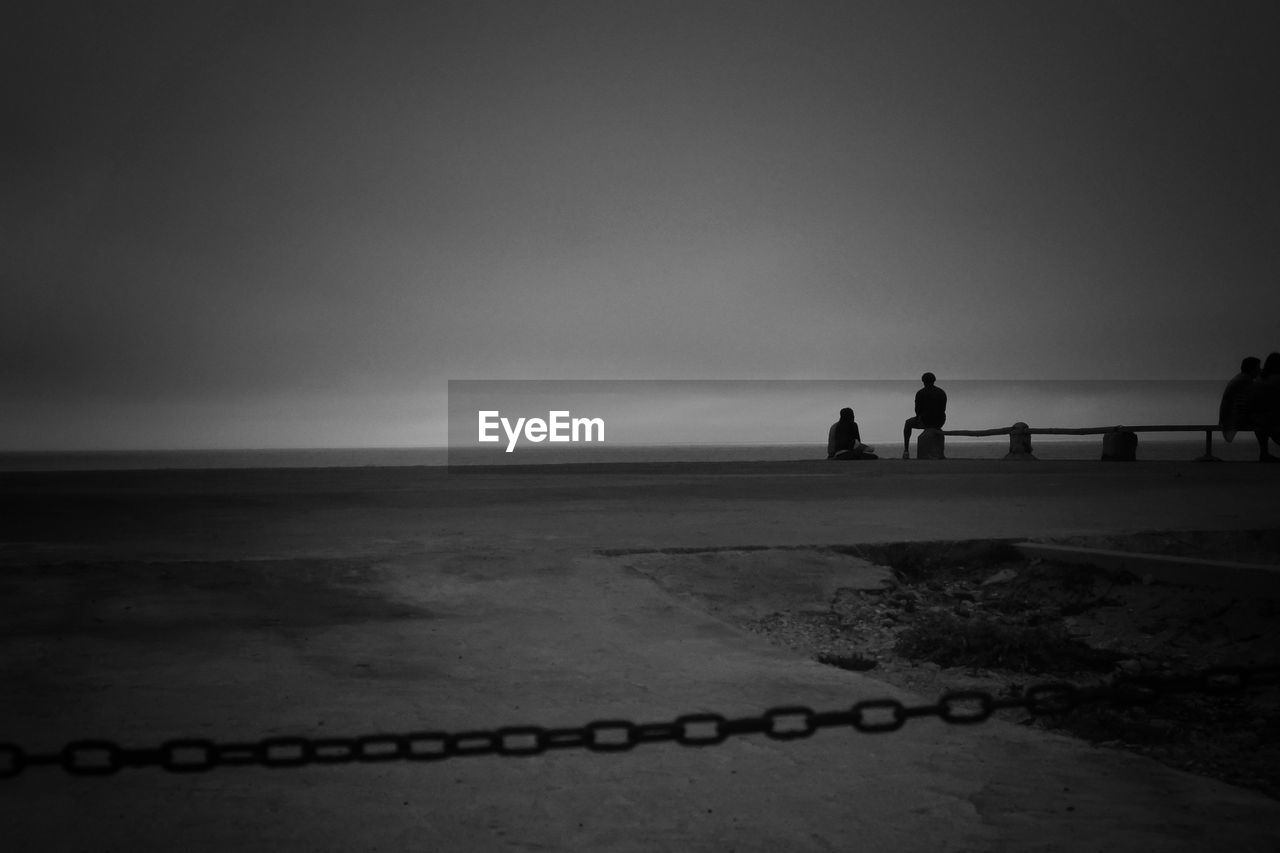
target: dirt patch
1242 546
742 585
143 601
978 615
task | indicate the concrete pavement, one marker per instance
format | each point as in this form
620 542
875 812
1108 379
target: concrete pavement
238 605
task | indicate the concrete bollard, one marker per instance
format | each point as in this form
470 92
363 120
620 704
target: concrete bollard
1121 445
931 444
1019 442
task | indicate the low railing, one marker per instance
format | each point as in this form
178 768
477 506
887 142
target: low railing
1119 443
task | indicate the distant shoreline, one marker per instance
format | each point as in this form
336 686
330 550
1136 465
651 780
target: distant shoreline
1070 448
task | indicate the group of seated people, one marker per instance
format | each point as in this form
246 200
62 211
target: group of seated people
844 440
1251 403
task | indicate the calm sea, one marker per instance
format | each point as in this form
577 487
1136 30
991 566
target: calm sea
676 421
1242 450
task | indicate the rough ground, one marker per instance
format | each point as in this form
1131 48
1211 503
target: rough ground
977 615
327 603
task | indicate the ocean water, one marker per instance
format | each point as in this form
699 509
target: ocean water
1082 449
1087 449
694 420
125 460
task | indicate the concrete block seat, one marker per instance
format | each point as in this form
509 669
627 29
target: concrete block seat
931 444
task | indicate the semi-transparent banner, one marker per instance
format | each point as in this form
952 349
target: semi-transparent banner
531 422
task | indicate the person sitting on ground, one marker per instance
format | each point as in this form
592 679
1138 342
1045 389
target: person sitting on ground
1264 407
931 411
844 439
1233 411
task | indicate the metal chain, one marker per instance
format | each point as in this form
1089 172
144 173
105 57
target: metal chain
791 722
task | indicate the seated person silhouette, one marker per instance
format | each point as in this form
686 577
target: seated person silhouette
844 440
931 411
1264 408
1234 411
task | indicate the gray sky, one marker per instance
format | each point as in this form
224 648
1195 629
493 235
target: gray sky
274 224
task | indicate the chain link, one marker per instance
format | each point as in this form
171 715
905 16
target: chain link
789 722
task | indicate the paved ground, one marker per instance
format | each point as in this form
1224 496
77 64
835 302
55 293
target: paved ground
237 605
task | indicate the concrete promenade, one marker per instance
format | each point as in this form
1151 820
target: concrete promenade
235 605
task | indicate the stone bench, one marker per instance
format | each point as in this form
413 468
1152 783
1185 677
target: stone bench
932 443
1119 443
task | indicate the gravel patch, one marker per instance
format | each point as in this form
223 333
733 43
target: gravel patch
977 615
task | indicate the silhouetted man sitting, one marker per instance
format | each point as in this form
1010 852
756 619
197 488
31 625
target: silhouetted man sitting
1234 411
844 439
931 411
1264 407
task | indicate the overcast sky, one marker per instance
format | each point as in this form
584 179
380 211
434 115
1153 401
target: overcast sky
275 224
